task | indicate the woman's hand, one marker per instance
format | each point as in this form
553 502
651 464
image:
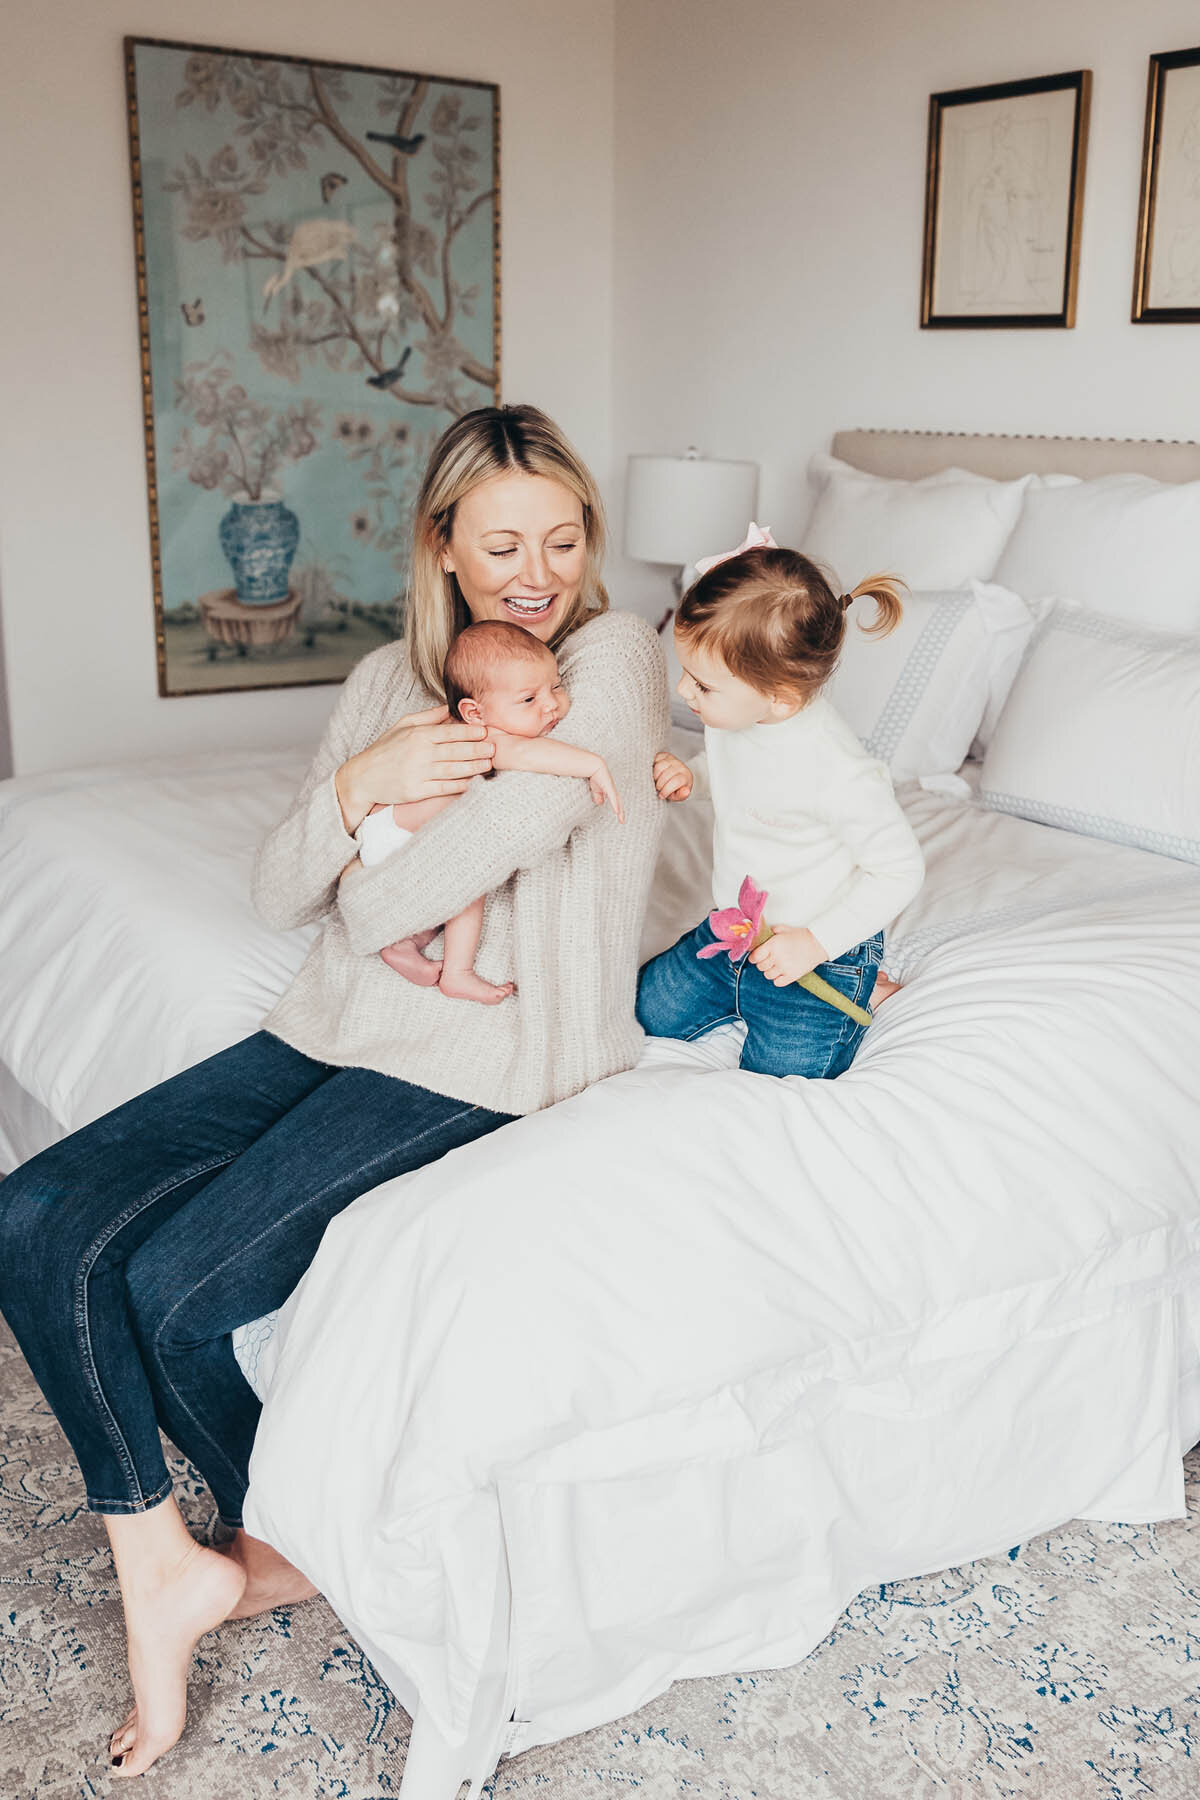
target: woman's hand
423 757
672 778
789 952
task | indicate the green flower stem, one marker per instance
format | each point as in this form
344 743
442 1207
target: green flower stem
822 990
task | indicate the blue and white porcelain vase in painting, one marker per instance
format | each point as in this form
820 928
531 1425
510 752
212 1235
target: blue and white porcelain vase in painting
260 537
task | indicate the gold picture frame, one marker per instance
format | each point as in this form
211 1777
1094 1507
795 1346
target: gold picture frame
317 249
1004 203
1166 268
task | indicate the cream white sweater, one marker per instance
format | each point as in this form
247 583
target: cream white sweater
804 809
566 885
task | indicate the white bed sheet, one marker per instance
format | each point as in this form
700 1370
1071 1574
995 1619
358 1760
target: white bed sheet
128 946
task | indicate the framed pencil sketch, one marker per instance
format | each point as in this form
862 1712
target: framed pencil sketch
317 254
1003 202
1166 275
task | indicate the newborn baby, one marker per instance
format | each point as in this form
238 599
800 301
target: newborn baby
501 676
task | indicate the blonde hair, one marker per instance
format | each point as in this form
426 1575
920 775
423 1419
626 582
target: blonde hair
478 651
773 619
476 447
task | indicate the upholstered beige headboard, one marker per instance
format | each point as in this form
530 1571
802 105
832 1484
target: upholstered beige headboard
910 454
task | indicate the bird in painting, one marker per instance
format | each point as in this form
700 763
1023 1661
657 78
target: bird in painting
331 181
193 311
408 146
389 377
313 241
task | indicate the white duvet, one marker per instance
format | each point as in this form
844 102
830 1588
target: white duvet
696 1355
693 1357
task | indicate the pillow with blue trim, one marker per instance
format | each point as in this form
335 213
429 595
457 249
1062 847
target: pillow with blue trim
1100 734
919 697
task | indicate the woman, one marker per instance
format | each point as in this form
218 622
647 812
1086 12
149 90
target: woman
130 1251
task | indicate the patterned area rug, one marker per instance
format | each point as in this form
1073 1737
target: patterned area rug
1066 1670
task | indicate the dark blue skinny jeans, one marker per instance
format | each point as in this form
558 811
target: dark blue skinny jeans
131 1250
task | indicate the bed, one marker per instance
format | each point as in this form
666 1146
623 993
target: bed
813 1335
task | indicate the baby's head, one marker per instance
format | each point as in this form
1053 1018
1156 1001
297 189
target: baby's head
501 675
759 634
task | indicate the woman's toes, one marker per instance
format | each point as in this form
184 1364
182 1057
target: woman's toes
124 1736
127 1724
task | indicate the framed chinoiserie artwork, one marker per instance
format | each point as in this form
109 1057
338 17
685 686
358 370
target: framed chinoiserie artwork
318 287
1003 202
1166 276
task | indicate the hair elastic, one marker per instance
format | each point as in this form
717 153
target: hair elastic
845 601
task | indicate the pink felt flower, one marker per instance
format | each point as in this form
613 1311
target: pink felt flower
757 538
737 927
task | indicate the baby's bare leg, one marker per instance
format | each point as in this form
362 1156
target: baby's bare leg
458 980
405 954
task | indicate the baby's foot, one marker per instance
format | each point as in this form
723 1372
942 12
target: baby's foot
465 984
406 959
885 987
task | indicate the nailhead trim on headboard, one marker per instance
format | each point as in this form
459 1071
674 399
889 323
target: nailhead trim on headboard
1004 456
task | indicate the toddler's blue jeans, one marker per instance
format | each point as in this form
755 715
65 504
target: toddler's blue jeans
788 1030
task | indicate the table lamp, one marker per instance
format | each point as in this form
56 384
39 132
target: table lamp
680 508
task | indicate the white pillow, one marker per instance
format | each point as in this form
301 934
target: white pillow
1124 545
918 697
1100 734
936 533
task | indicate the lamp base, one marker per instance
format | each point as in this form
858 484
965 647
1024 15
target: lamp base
677 584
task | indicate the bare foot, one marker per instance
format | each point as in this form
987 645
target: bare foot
271 1580
167 1612
465 984
406 959
885 987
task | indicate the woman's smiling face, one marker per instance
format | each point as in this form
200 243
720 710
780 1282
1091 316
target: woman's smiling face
518 549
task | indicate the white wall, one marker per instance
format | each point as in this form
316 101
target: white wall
74 542
770 197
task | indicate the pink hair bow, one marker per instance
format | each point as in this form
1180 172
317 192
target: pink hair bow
757 538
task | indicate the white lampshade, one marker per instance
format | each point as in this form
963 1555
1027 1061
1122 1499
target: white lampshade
679 508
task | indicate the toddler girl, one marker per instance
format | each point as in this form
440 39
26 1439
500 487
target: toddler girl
799 807
501 676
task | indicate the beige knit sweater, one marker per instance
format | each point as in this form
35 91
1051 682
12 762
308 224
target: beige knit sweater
566 885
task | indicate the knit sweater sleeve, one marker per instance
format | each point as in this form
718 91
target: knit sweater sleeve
296 870
616 677
890 867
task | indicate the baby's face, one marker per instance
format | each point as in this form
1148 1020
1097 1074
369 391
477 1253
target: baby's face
526 698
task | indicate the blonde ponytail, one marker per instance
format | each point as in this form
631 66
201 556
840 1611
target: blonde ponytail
885 591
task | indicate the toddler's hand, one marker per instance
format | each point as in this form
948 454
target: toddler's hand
605 788
790 951
672 778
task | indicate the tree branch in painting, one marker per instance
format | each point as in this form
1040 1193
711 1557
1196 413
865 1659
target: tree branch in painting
387 306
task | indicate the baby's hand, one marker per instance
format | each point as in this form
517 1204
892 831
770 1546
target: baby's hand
605 788
790 951
672 778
